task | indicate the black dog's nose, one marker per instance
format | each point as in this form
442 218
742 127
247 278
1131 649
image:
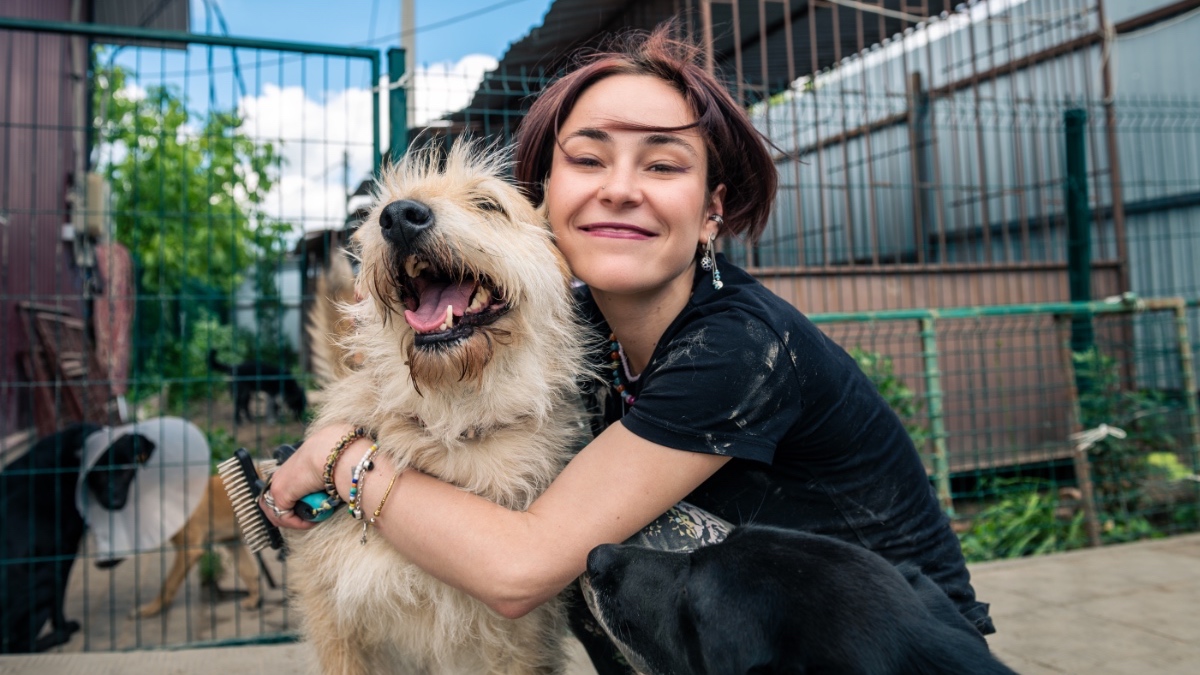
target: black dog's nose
403 221
601 559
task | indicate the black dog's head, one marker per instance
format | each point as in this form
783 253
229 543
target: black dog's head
773 601
295 399
719 609
111 476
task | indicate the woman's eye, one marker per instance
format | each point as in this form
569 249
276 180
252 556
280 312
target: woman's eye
582 160
664 168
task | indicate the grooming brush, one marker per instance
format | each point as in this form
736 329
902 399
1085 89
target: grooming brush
245 489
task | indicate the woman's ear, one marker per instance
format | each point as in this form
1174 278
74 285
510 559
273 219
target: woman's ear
716 206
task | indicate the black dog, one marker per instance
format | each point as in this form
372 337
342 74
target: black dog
42 528
251 376
768 600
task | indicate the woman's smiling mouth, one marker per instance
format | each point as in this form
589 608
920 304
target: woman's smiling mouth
617 231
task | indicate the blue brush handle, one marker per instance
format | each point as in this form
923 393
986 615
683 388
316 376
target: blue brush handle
314 507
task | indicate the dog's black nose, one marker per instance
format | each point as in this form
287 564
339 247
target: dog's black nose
404 221
601 559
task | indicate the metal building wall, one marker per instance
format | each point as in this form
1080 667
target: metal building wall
37 160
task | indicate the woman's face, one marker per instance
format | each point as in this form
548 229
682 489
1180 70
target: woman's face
628 208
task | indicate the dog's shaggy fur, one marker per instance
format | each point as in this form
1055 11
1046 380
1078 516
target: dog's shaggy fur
489 404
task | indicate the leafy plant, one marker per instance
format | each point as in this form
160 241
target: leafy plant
903 400
1023 522
222 444
211 567
1120 465
1166 465
187 191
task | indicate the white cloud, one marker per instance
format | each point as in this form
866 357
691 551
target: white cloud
320 138
446 87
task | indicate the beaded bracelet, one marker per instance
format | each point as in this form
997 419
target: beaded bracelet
379 509
358 480
330 488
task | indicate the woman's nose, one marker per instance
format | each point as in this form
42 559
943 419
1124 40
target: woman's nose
621 188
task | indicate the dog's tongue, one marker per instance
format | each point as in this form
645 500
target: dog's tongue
435 297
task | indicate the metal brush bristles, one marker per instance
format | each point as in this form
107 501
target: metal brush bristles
243 486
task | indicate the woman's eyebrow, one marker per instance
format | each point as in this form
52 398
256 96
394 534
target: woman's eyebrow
668 139
591 133
652 139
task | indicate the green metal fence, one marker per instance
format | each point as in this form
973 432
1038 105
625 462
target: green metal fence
200 179
1009 416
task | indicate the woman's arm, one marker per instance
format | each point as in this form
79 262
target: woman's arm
512 560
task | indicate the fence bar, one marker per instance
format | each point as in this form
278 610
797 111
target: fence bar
397 106
180 37
1079 224
1115 305
937 422
1079 453
1188 372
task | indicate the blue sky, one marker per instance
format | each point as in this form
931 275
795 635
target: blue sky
346 22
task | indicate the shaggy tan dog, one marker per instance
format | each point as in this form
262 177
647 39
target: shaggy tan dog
469 354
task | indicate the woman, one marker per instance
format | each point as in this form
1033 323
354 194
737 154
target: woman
724 394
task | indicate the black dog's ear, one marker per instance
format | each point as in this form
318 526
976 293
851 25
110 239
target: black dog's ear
111 477
143 447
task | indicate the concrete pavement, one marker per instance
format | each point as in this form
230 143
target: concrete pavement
1133 608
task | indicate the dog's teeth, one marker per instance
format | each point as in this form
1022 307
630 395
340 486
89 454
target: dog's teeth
479 300
449 322
421 266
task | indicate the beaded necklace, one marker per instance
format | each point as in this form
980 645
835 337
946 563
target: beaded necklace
616 368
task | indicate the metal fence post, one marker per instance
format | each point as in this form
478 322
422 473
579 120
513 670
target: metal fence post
937 422
1079 222
921 152
397 106
1079 454
1187 370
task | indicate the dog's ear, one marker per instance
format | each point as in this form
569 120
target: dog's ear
114 472
143 448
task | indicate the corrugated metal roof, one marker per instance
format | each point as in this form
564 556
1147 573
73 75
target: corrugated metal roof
157 14
571 24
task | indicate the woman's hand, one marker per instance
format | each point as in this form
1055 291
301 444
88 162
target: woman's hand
302 474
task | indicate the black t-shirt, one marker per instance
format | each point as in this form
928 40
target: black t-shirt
814 447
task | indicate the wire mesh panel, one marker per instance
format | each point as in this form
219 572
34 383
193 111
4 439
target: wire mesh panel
1064 444
169 201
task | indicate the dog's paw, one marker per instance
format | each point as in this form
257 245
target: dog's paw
252 602
153 608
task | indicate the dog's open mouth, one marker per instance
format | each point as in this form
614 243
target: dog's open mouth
443 307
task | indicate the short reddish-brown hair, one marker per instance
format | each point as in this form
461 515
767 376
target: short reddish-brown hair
737 154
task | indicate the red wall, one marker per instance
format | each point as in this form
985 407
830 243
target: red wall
36 165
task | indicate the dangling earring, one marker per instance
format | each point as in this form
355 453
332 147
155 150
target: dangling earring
709 261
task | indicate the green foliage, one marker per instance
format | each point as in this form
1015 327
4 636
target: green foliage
1120 466
222 444
184 362
187 190
1023 522
211 567
1030 518
1166 466
882 372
